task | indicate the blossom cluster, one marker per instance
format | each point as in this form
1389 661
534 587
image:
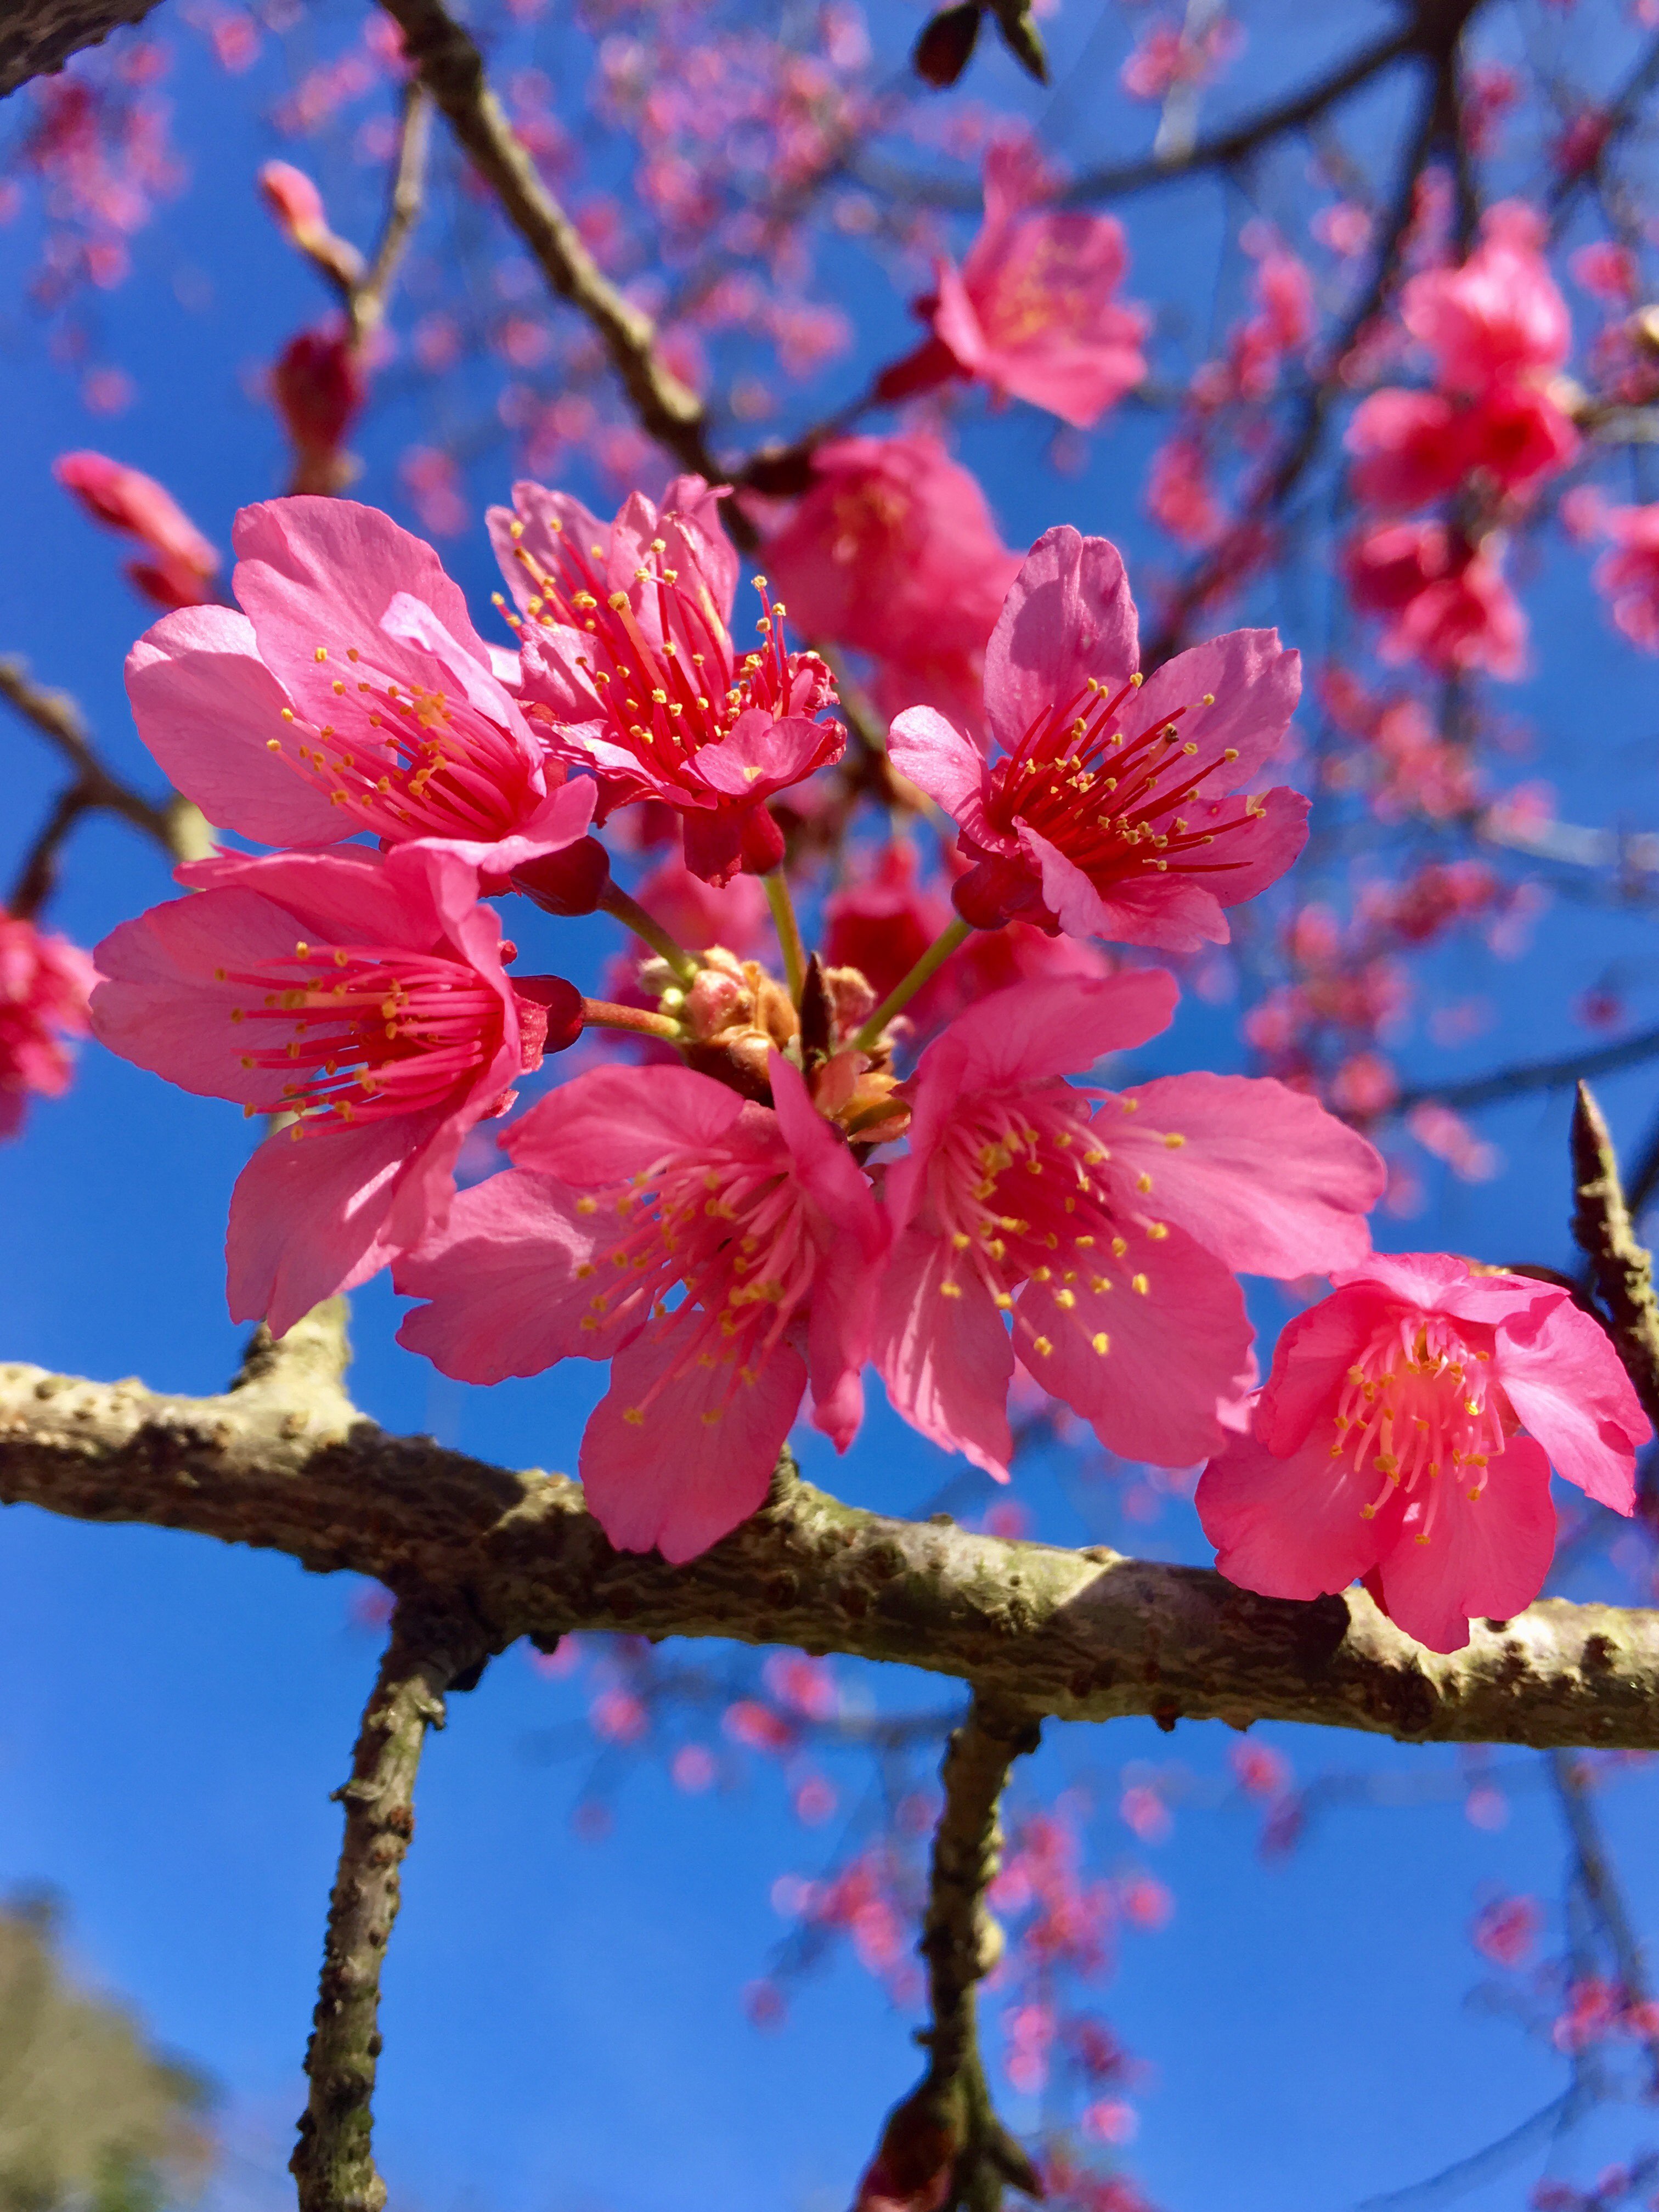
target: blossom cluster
855 1165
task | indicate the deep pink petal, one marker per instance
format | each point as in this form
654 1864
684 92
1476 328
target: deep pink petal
1287 1528
611 1123
759 755
674 1462
1312 1359
1485 1558
1259 853
1078 383
939 760
946 1362
1260 1175
955 321
1569 1387
1255 682
714 844
1174 913
1068 617
207 707
506 1295
1147 1367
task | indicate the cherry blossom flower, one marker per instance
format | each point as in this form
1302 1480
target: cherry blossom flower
1097 820
1032 311
1106 1226
366 995
354 694
184 565
1406 1434
1443 598
626 1183
893 552
44 984
631 670
1628 576
1499 315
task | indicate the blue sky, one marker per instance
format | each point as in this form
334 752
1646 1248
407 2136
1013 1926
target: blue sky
562 2019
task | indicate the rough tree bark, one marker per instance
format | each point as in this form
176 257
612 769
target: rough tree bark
39 36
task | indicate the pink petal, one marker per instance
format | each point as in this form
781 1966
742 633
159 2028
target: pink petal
955 321
611 1123
1174 912
1486 1558
1256 683
1068 617
940 761
1315 1352
207 707
506 1296
308 1214
1262 1175
1172 1352
1078 383
538 510
946 1362
1290 1526
561 818
698 1458
412 622
1569 1387
759 756
1259 854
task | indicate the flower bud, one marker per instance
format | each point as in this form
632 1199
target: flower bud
946 44
570 882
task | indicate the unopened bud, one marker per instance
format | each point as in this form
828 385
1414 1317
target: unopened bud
549 1015
570 882
946 44
318 387
295 202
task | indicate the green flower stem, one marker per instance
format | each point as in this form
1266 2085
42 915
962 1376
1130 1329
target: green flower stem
929 964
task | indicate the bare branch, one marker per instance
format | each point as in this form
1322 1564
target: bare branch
948 2122
286 1464
37 37
333 2160
1532 1075
368 302
1599 1886
37 879
1604 1232
452 69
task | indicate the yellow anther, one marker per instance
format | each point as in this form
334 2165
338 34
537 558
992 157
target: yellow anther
1140 1284
1041 1346
950 1290
1102 1343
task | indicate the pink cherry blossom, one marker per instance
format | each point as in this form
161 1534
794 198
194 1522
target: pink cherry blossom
626 1183
893 552
45 981
1406 1434
354 694
364 994
1032 311
631 670
1107 1226
1499 315
1628 576
184 566
1097 819
1444 600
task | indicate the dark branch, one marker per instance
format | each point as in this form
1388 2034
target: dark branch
37 879
37 37
1599 1888
333 2160
1532 1075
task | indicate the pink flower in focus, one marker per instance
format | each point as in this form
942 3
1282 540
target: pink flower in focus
44 982
893 552
1443 600
181 572
366 995
626 1183
1097 820
1499 315
1032 311
1628 577
630 668
1106 1226
353 695
1406 1434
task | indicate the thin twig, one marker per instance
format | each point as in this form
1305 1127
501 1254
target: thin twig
368 299
1516 1082
1599 1888
37 879
947 2123
1602 1228
333 2161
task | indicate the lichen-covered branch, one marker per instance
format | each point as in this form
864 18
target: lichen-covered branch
1607 1236
948 2122
431 1646
285 1463
452 69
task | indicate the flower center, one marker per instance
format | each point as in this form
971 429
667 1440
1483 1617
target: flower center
1419 1403
411 763
380 1031
1109 801
664 698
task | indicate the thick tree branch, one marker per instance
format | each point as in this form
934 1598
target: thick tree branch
452 69
37 37
333 2160
1605 1233
284 1463
948 2122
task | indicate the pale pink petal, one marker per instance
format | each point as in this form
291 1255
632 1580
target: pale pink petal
207 707
1486 1558
1569 1387
609 1124
946 1362
1261 1175
1068 617
673 1460
1287 1528
545 517
955 321
1147 1366
505 1281
412 622
1255 682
